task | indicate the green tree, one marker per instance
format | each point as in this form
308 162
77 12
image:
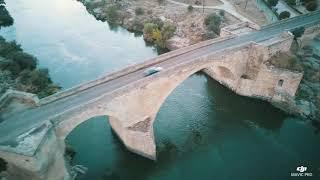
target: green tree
312 6
272 2
213 23
298 32
190 8
284 15
139 11
148 31
25 61
291 2
112 13
5 18
160 1
166 32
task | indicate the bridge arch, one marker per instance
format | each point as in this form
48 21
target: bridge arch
64 128
132 110
135 126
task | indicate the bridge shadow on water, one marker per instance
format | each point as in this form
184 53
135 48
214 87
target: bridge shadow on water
198 116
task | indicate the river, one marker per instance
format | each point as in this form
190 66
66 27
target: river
203 130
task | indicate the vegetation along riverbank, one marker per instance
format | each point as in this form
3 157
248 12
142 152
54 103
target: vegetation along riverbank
18 69
164 23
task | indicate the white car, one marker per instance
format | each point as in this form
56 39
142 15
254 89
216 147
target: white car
152 70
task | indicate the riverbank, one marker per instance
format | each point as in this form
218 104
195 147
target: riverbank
18 69
134 15
304 56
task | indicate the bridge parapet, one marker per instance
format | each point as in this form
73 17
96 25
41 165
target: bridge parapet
130 69
14 101
239 29
291 19
29 98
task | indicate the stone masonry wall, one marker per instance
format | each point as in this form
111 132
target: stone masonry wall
46 163
251 77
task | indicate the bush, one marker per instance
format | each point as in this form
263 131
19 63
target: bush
5 18
21 67
312 6
153 33
148 30
272 3
167 31
213 22
139 11
160 1
157 21
284 15
298 32
190 8
112 13
222 13
37 81
291 2
137 25
25 61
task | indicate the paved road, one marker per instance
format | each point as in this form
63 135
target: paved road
21 122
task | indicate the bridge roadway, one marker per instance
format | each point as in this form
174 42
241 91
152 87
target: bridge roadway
21 122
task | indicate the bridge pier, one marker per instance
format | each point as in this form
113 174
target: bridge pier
138 138
35 155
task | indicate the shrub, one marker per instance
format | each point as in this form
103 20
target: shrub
272 2
160 1
157 21
213 22
153 33
7 48
222 13
312 6
190 8
149 11
25 61
112 13
291 2
298 32
5 18
157 37
139 11
137 25
284 15
167 31
148 30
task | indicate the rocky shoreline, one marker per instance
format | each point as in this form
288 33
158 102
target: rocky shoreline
304 57
187 22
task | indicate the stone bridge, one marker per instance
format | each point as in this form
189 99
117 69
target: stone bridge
32 138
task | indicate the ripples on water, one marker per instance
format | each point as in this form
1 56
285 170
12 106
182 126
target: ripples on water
203 130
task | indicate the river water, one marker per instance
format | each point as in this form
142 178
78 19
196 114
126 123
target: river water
203 130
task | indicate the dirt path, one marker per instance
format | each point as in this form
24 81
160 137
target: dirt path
226 6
